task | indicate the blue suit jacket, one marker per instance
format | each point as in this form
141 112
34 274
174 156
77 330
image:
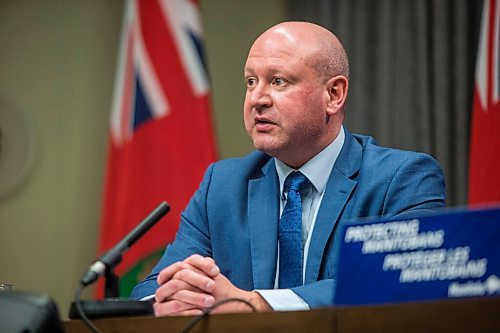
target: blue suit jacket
233 216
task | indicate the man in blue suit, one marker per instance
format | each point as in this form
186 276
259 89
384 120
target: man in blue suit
231 241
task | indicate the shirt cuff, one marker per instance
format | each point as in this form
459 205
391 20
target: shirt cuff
283 300
147 298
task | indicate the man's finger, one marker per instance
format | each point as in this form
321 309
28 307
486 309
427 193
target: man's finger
195 279
200 300
171 287
194 312
196 262
204 264
172 308
169 271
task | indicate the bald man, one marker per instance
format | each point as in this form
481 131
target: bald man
232 240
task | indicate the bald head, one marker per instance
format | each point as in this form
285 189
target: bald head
296 77
320 48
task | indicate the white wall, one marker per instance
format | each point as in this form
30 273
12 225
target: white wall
57 61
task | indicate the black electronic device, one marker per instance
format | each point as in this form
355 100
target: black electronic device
112 307
23 312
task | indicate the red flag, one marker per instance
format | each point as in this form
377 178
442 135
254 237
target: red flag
484 171
161 136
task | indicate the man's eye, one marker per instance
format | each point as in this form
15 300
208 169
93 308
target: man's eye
278 81
251 82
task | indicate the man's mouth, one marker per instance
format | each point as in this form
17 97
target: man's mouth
263 121
264 125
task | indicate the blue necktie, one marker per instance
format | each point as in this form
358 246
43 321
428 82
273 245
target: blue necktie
290 233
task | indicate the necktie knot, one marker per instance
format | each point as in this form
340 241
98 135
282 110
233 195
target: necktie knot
296 181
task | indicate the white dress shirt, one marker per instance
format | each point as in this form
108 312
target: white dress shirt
317 170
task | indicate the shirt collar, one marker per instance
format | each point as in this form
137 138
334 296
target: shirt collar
318 168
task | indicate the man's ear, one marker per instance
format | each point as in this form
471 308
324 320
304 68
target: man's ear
337 88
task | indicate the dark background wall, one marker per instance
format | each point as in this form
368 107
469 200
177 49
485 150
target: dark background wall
412 71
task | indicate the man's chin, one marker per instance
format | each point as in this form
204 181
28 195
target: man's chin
271 150
268 143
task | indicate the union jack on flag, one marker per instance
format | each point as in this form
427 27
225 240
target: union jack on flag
161 136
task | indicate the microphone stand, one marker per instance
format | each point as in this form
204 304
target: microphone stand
112 306
111 284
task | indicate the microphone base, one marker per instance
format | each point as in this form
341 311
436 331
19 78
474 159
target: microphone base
112 307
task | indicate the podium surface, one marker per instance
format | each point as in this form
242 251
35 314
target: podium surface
461 315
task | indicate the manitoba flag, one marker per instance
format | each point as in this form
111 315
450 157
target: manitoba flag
161 136
484 171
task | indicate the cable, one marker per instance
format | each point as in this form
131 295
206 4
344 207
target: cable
78 303
207 311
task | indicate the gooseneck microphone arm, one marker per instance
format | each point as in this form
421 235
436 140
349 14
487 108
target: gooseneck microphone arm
113 257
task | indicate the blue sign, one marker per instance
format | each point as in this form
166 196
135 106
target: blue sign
450 255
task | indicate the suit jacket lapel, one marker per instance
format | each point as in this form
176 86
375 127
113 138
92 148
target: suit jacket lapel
263 216
338 190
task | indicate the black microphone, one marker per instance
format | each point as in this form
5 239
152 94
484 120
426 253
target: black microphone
113 257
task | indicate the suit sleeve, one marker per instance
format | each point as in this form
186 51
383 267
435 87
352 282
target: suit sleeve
417 188
192 237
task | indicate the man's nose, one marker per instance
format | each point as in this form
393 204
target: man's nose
260 97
